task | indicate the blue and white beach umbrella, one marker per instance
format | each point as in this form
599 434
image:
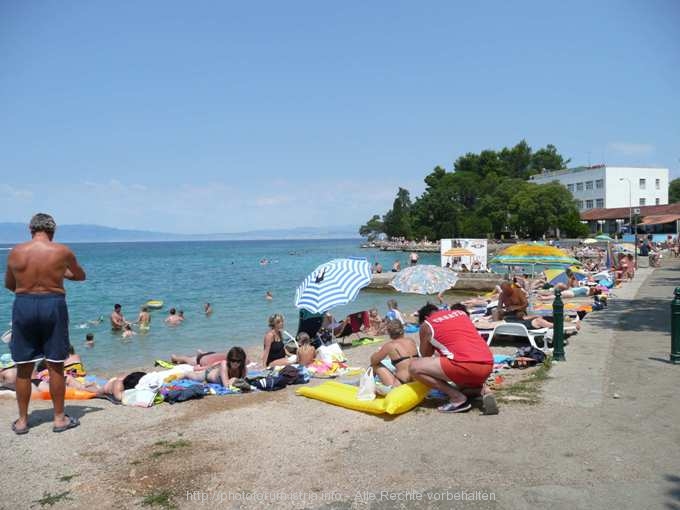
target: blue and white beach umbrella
335 283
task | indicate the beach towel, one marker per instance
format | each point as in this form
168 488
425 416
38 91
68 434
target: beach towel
154 380
366 341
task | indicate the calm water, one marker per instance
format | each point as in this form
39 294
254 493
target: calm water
187 274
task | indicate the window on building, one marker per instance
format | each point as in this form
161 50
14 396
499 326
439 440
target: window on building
570 187
599 184
642 201
589 204
599 203
656 201
658 184
579 186
643 183
589 184
579 204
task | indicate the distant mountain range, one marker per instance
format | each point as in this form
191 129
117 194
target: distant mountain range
11 233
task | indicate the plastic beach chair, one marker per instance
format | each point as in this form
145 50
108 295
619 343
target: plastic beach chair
516 329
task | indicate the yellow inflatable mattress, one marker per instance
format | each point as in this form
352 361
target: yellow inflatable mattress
398 401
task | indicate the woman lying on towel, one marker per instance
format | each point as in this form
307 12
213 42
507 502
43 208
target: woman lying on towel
224 372
529 322
572 293
201 358
400 350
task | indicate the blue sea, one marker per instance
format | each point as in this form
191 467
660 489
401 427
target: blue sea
185 275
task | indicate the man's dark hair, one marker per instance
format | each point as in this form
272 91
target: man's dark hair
173 311
42 222
461 307
116 306
425 312
89 336
132 379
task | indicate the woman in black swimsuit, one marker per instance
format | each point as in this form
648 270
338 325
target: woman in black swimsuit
274 353
400 350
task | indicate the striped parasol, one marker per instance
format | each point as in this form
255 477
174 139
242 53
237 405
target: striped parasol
335 283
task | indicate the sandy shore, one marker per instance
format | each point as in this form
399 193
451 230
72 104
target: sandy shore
254 443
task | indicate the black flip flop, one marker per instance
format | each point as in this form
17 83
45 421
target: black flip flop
72 423
19 432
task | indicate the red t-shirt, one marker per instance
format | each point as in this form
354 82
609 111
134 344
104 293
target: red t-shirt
455 337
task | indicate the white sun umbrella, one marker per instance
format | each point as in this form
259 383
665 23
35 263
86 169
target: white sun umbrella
335 283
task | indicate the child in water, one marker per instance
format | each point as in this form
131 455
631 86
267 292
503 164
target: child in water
127 331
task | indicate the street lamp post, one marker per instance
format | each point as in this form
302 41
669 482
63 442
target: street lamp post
630 206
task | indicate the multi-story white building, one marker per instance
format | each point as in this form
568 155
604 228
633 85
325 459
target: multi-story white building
602 186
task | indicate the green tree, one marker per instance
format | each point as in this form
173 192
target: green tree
397 221
487 193
548 159
517 161
674 191
437 213
537 209
372 228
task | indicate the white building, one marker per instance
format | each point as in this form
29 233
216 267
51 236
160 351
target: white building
602 186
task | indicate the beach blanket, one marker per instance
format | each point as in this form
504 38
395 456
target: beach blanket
154 380
575 306
366 341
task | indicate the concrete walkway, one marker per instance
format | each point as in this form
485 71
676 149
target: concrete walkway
614 406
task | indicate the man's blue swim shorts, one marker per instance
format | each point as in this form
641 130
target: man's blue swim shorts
39 328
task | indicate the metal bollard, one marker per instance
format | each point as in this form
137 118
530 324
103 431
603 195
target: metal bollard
558 327
675 327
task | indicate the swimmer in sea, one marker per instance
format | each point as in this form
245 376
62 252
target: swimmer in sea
127 331
96 322
144 319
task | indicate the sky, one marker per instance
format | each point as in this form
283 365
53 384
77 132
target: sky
219 116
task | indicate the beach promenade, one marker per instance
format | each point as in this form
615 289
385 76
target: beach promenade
605 435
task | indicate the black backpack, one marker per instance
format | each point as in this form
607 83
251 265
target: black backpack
531 352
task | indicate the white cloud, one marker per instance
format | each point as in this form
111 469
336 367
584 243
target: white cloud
12 192
631 149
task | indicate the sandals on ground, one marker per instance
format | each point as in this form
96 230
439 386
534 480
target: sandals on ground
450 407
18 431
71 424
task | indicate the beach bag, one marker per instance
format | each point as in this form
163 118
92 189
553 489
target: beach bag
531 352
139 398
366 386
288 375
330 353
323 337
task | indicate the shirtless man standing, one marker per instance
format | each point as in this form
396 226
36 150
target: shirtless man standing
117 319
35 273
